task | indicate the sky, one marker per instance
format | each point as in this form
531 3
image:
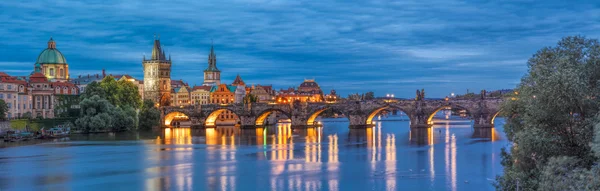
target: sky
388 47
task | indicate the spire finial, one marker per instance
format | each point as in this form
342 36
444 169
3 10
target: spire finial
154 36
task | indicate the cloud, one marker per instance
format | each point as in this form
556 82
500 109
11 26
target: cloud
382 46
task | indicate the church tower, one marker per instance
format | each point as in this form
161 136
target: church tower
157 76
212 75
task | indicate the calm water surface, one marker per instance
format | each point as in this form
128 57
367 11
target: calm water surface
389 156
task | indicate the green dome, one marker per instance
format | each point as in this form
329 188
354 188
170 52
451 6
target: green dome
51 56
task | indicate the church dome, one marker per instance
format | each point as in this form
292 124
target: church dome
51 55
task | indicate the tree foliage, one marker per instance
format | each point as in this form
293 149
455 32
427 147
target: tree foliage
149 115
97 114
120 93
3 110
369 96
552 117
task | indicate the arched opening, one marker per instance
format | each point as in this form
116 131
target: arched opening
176 118
327 112
271 117
385 112
448 114
495 115
221 117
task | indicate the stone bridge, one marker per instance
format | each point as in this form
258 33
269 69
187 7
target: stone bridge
359 113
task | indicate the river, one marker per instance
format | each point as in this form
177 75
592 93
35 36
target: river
389 156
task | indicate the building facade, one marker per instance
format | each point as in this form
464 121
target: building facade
157 76
181 96
200 95
52 64
212 75
14 92
308 91
224 94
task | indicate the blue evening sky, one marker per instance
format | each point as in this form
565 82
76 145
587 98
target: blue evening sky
352 46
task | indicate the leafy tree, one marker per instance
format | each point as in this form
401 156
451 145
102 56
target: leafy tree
111 88
149 115
552 117
354 97
369 96
3 110
123 119
95 114
128 95
250 98
93 89
27 115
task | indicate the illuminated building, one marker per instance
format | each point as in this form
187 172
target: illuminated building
263 93
181 96
180 93
332 97
157 76
308 91
52 64
223 94
200 95
212 75
42 96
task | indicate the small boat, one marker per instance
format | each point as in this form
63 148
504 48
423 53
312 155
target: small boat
16 136
56 132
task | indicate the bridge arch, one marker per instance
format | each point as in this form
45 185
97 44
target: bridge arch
312 117
432 114
495 115
211 119
260 119
175 116
372 114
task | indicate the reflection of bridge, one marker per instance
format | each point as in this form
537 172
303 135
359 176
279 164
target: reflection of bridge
360 114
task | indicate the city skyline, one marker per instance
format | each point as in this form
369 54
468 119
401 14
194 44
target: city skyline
361 47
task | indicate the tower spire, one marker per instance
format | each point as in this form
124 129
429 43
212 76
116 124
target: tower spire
156 50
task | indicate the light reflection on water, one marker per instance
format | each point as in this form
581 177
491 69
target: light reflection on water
389 156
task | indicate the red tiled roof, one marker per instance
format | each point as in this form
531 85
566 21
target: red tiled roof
37 78
207 88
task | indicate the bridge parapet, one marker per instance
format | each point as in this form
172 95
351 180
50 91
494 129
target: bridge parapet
359 113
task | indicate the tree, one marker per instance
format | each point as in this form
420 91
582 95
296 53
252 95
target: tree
93 89
111 88
95 114
354 97
27 115
123 119
128 95
369 96
250 98
3 110
552 117
149 115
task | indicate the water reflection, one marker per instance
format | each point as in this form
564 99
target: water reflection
388 156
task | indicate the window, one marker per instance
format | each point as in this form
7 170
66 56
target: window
9 105
51 71
8 96
9 87
1 96
1 86
61 73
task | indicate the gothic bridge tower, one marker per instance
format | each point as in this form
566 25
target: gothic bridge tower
212 75
157 76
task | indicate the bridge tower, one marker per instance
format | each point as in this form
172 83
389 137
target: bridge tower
157 75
